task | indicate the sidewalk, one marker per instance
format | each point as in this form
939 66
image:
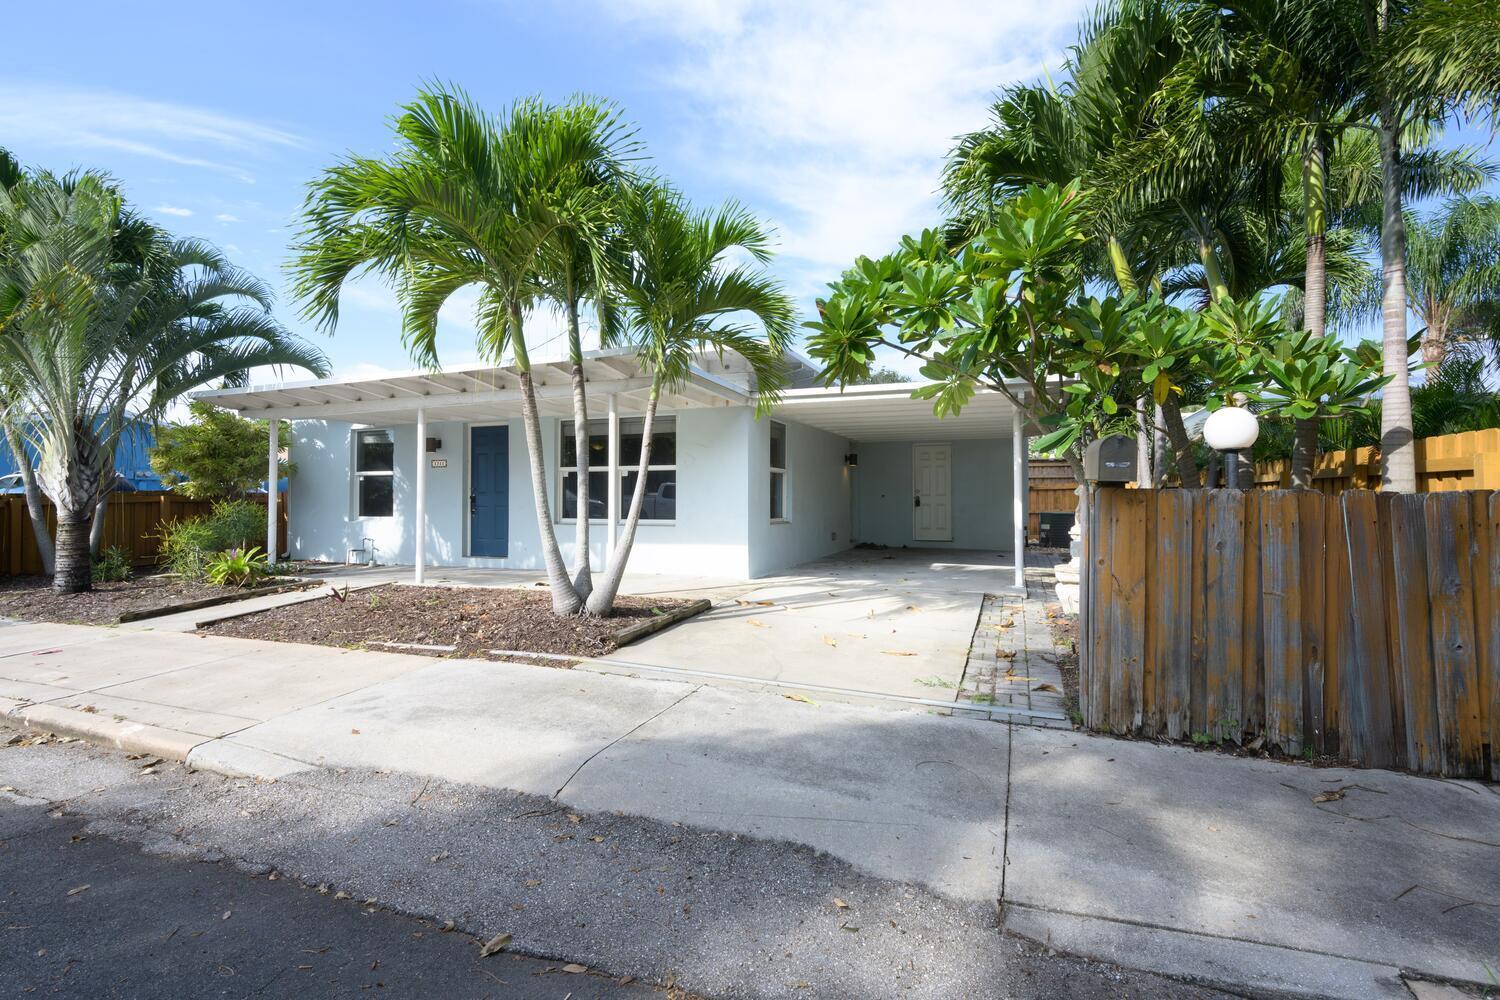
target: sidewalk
1165 859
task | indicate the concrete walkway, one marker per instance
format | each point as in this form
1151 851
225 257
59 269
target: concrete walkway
861 626
1188 863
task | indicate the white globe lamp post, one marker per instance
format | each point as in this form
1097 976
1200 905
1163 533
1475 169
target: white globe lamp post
1231 429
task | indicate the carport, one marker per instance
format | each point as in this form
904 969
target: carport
956 482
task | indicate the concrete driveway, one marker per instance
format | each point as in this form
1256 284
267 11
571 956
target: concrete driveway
865 624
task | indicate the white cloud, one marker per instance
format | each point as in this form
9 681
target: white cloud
836 117
226 217
60 118
181 213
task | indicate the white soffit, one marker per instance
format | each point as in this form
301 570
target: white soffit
466 394
889 413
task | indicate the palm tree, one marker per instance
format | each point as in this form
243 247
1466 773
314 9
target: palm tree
467 200
1453 271
580 259
11 422
684 298
100 314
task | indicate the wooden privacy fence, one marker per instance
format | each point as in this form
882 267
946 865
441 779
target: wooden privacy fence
1467 461
1363 626
1050 488
131 521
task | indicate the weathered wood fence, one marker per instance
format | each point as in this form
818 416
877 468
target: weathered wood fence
131 521
1050 488
1467 461
1363 626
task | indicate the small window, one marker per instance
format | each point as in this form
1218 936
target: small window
375 473
660 501
778 471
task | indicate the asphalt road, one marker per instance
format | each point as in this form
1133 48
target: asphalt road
84 915
166 852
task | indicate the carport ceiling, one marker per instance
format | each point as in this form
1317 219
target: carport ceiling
889 413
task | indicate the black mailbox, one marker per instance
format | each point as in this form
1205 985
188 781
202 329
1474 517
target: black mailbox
1110 460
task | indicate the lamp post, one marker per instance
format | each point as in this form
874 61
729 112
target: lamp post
1231 429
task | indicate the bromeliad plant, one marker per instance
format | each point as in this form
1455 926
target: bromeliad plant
238 567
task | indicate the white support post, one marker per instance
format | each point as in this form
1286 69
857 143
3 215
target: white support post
613 511
419 572
273 453
1019 450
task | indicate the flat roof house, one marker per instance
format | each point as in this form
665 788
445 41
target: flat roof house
430 469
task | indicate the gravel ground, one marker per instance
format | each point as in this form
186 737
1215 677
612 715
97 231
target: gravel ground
712 912
474 620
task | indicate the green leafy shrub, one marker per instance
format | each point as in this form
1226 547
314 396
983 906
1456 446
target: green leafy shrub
237 567
184 546
187 547
112 566
238 524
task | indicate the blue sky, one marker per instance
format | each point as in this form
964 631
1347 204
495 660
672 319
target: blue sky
830 120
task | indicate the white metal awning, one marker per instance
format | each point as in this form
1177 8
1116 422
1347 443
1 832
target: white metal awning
870 413
473 393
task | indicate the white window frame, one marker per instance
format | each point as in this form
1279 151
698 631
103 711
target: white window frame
786 492
358 474
625 472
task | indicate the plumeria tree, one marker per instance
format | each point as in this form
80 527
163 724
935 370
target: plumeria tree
1007 311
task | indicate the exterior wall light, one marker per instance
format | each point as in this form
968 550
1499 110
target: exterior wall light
1231 429
851 459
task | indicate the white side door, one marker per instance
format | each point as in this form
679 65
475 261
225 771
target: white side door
932 493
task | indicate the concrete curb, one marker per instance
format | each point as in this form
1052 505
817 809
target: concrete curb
236 760
1230 964
204 753
132 737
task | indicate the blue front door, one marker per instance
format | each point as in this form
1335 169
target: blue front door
489 490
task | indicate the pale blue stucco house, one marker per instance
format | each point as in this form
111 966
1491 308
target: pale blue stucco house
429 468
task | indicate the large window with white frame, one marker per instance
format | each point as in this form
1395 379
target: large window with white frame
778 472
374 473
660 501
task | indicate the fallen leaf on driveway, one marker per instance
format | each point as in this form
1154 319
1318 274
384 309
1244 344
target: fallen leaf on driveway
81 888
913 607
840 903
800 697
1332 795
829 640
575 969
756 622
757 604
494 944
1046 687
898 652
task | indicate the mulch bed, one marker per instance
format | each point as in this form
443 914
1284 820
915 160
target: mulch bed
472 620
30 598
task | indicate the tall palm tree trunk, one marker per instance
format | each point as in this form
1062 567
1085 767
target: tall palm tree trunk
603 597
1143 438
72 567
1182 446
35 509
583 582
564 598
1435 343
1397 449
1315 299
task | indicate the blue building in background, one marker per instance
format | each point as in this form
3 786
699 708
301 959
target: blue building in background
132 462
